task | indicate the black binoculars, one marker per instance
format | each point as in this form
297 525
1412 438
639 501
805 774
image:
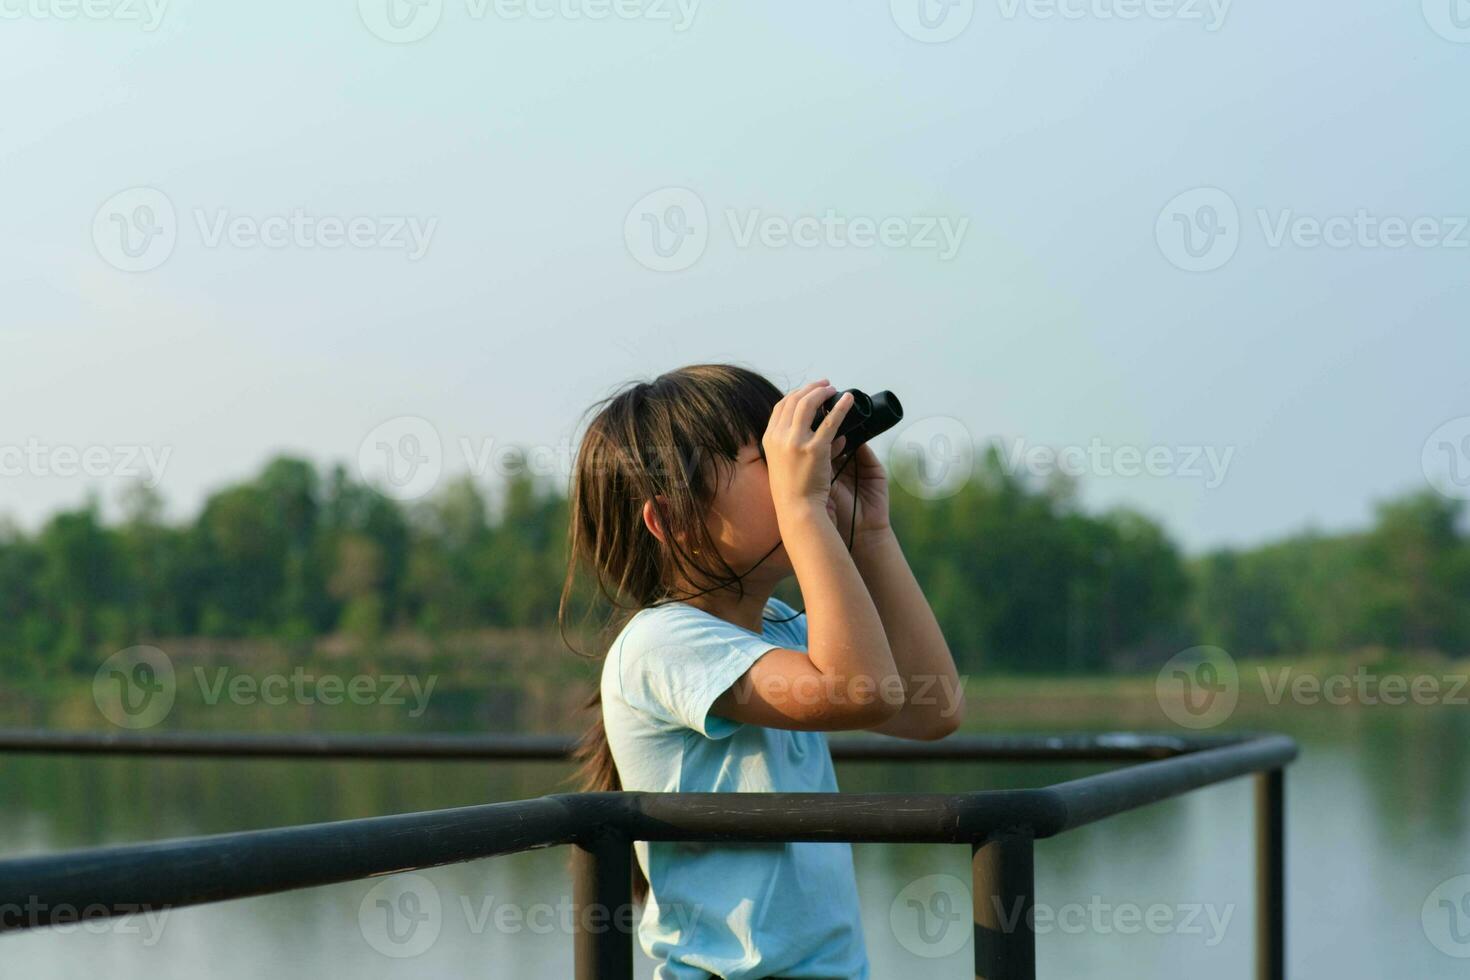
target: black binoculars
868 416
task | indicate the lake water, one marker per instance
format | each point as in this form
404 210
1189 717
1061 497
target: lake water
1378 822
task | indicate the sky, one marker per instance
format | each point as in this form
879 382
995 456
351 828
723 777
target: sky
1213 256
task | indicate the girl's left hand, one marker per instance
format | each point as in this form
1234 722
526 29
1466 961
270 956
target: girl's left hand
872 495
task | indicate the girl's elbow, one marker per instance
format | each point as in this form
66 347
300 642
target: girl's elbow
867 714
944 723
879 711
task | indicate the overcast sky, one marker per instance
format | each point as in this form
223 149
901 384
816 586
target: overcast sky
236 230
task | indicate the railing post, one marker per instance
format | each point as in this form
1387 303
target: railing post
1003 886
1270 875
602 893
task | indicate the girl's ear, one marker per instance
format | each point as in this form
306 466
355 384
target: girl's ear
655 517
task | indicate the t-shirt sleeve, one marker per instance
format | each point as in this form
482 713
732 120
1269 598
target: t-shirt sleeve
679 660
794 623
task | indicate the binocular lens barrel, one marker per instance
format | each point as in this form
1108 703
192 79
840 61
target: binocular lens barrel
868 416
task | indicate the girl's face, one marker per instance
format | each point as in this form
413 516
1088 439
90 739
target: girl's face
742 517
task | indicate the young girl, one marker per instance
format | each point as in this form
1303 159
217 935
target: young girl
693 496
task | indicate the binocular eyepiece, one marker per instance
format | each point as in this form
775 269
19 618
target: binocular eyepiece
869 416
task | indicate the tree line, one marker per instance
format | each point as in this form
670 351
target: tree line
1021 577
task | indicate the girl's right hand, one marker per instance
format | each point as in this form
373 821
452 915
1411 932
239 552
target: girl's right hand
798 459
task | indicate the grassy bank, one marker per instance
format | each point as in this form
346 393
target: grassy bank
528 680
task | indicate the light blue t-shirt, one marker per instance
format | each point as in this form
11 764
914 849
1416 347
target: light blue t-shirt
737 910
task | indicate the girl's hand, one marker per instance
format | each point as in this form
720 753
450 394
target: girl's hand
799 460
872 496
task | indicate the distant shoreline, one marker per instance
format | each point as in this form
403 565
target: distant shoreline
540 682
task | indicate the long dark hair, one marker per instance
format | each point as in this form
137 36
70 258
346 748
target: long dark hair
671 437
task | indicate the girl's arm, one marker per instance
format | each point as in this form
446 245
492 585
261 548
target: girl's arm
847 678
935 702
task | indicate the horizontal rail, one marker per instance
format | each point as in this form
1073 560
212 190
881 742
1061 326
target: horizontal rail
1084 747
197 870
1095 797
177 873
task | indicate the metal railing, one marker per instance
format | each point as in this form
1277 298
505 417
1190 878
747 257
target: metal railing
1000 826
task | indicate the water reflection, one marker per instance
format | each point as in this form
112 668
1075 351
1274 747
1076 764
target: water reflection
1377 811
